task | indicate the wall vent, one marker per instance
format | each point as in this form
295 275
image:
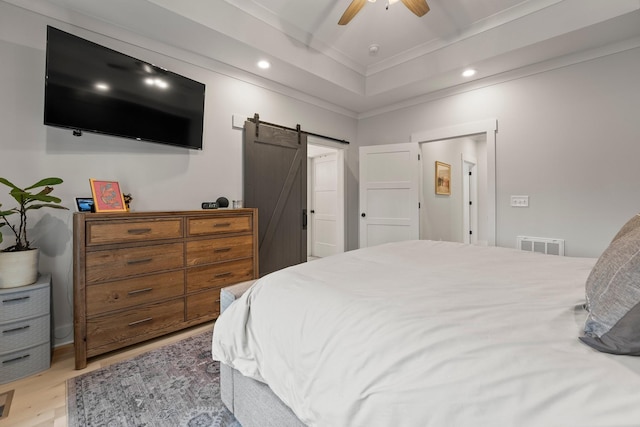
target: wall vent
542 245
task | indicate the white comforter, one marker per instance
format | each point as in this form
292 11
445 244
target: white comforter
425 333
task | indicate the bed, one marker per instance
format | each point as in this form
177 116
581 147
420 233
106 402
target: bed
422 333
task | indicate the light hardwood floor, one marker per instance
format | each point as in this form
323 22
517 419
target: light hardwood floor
41 400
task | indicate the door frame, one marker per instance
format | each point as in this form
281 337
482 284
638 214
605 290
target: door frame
469 200
489 127
341 159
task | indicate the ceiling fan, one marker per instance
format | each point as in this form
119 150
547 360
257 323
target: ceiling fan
419 7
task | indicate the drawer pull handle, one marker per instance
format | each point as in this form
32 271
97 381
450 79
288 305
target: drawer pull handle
16 359
139 261
138 231
21 328
16 299
217 301
222 224
139 291
221 250
217 276
137 322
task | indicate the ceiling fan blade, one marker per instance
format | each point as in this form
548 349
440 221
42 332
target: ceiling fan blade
351 11
419 7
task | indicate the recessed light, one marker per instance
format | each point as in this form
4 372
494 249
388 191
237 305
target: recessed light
102 86
264 64
468 72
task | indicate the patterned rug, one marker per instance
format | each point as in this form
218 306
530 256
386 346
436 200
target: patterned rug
176 385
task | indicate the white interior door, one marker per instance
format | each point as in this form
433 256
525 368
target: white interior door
389 189
324 196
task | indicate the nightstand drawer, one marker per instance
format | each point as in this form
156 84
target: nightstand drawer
25 362
208 251
99 233
25 333
24 304
214 225
219 275
126 262
134 325
121 294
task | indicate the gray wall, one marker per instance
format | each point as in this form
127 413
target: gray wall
159 177
568 137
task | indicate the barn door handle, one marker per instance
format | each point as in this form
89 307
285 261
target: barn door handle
304 219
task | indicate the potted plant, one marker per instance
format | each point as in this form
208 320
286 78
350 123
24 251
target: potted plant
19 262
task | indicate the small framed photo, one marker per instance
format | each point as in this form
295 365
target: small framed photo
84 204
107 196
443 178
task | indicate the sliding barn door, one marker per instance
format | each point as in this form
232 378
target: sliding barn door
275 182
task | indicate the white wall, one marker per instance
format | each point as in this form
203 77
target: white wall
569 137
159 177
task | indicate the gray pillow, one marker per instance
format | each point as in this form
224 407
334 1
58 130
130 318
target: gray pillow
613 295
631 225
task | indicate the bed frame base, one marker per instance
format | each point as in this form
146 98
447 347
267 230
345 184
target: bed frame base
252 402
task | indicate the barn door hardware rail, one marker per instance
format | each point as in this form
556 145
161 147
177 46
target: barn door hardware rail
256 119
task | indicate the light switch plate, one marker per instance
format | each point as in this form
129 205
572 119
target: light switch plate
520 201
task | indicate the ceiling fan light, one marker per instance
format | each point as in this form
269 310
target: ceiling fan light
264 64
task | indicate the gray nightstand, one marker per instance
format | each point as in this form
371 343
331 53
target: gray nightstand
25 331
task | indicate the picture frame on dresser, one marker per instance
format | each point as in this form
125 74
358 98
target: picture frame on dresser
107 196
140 275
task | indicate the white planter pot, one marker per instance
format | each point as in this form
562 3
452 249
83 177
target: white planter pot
18 268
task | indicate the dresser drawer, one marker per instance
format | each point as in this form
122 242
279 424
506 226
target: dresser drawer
121 294
134 325
219 275
204 305
24 333
100 233
222 249
25 362
215 225
126 262
23 304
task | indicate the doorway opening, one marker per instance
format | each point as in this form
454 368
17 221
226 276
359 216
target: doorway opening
485 181
325 198
454 217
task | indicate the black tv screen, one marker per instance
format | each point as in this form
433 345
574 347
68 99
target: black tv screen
92 88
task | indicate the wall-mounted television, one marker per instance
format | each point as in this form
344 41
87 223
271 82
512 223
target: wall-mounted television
92 88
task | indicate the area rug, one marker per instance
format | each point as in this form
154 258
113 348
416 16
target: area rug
176 385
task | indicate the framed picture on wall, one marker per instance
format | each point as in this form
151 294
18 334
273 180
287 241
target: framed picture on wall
443 178
107 196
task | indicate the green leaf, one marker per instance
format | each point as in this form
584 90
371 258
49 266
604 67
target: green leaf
45 182
44 206
7 183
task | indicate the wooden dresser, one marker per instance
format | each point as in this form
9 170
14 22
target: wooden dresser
139 275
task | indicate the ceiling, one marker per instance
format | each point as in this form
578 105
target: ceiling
310 53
